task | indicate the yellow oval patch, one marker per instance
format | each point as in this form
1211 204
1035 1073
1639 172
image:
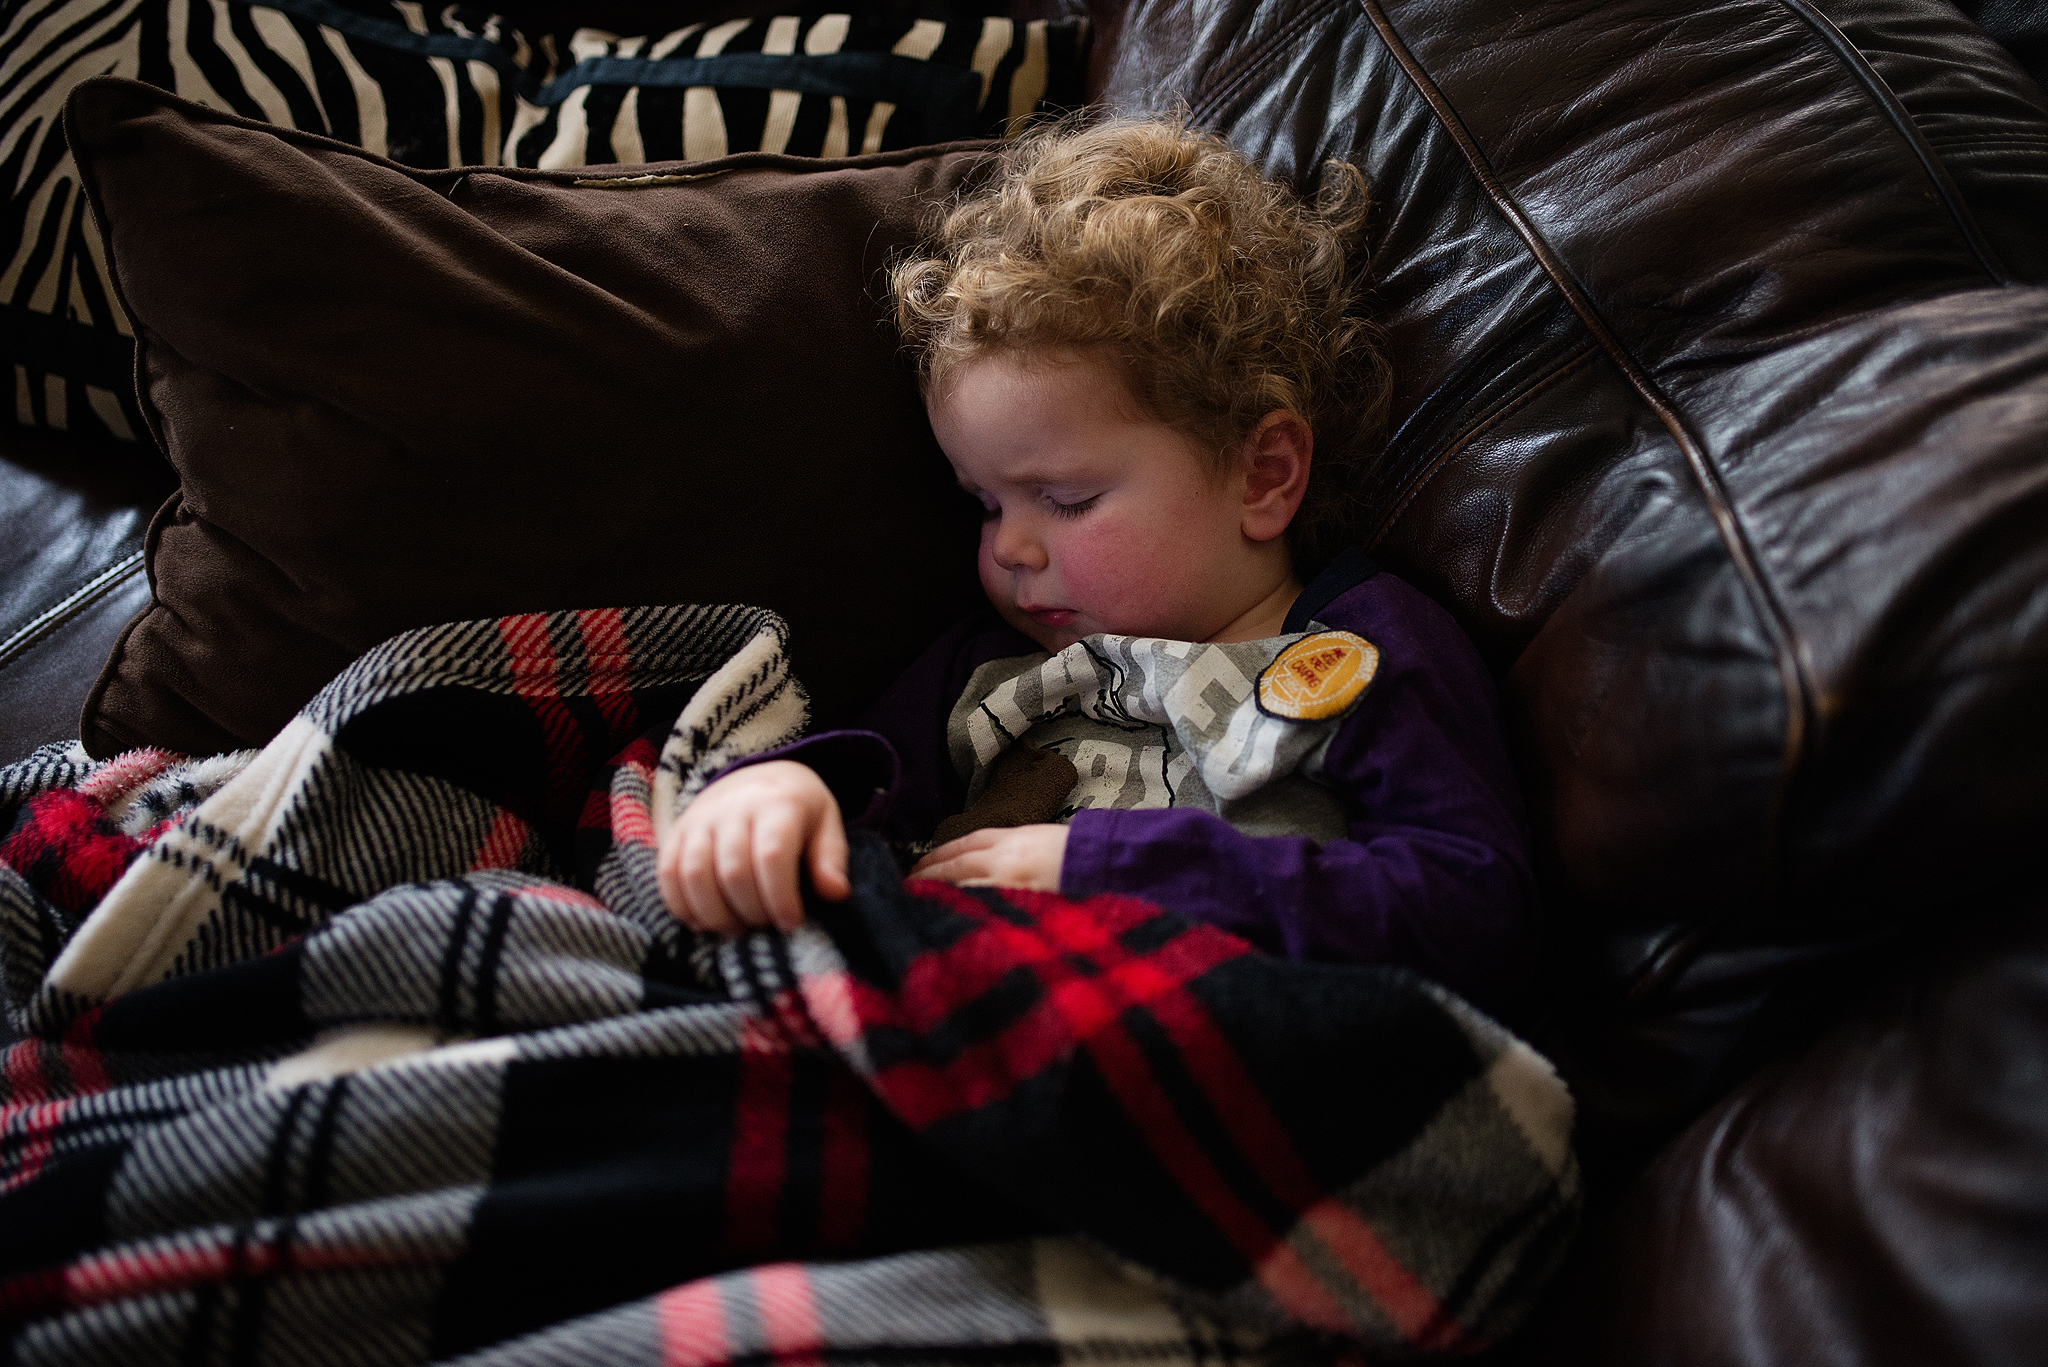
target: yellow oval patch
1319 676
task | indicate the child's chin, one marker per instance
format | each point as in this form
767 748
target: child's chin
1050 638
1056 638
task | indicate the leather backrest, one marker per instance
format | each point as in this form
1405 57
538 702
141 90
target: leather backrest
1722 410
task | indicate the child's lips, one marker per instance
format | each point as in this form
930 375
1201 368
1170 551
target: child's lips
1051 617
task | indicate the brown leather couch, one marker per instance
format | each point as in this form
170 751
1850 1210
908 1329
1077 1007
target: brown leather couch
1723 427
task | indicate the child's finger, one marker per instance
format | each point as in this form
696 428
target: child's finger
668 874
828 857
961 868
704 898
954 849
734 863
1013 857
778 846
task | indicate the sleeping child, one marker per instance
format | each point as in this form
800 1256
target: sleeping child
1143 361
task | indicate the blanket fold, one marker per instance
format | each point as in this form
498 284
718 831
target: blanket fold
377 1046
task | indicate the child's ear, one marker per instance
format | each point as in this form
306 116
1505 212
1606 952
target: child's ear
1276 461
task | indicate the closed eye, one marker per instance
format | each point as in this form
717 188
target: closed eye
1059 509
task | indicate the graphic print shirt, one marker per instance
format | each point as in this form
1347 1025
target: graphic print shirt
1152 723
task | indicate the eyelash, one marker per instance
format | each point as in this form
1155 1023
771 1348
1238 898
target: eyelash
1053 506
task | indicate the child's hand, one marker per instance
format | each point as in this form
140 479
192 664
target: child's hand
729 863
1000 857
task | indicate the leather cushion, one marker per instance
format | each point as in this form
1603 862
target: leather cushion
399 397
1877 1201
1723 387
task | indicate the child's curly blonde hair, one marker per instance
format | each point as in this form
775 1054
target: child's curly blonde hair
1221 294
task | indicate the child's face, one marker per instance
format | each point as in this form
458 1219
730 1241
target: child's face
1098 519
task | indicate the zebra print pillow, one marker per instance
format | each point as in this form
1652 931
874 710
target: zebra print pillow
829 85
453 85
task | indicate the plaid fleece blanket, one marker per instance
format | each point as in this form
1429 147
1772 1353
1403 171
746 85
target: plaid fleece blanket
377 1046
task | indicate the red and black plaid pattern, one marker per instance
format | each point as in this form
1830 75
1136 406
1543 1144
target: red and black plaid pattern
58 833
417 1065
67 849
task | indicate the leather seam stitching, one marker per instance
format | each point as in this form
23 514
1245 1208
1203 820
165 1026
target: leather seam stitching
1788 652
1248 68
1520 399
1964 141
72 605
1909 131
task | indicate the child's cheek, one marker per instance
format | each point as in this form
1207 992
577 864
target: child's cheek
1097 566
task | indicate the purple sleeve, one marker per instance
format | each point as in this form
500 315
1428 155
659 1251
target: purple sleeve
912 715
894 775
1434 871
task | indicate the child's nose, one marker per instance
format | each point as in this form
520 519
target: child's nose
1014 547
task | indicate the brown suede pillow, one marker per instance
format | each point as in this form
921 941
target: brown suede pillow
399 397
